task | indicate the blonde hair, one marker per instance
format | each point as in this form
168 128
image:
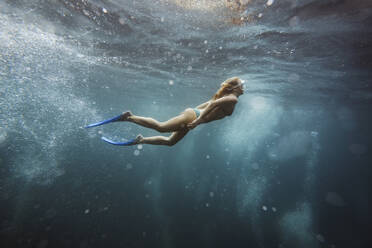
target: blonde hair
227 87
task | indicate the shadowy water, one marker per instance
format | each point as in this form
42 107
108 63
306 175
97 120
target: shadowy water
290 167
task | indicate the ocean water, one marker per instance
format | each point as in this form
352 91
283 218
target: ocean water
289 168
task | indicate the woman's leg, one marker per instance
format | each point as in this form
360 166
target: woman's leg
175 124
162 140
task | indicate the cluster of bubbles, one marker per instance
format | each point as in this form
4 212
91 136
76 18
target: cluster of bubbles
265 208
39 91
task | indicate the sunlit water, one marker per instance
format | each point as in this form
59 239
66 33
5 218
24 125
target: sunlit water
289 168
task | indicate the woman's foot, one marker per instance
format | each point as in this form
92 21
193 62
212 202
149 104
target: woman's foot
124 116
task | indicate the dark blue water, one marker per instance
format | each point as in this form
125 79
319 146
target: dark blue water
290 167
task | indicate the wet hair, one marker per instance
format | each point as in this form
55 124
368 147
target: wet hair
227 87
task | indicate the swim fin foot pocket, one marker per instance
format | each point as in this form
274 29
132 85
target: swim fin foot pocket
116 118
128 143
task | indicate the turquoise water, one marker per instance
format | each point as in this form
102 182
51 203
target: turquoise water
290 167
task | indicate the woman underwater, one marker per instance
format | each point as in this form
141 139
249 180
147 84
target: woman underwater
221 105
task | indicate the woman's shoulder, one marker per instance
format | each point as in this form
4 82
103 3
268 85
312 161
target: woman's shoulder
227 99
230 98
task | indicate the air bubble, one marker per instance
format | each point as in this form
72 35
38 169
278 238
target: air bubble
85 12
270 2
314 134
121 20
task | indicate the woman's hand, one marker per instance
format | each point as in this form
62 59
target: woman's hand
192 125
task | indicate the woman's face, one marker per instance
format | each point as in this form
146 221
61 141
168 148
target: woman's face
239 87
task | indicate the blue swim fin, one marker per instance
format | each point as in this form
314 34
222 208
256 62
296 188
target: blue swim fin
104 122
128 143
